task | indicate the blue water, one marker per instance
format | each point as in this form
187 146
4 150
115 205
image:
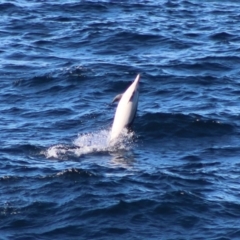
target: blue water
175 176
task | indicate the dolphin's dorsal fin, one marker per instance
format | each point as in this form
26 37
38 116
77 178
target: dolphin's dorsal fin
117 98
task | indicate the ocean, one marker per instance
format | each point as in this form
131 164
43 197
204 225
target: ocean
175 175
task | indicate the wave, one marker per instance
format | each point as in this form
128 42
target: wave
8 6
180 125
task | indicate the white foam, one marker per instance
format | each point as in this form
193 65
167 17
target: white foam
55 151
89 143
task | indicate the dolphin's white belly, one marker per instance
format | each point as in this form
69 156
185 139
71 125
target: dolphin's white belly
126 109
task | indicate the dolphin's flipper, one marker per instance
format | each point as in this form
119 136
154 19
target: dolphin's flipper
117 98
132 97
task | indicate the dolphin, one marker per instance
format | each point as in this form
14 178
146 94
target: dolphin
126 109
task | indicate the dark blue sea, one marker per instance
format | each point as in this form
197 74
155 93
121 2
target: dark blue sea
175 175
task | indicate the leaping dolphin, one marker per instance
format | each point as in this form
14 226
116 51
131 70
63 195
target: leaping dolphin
126 109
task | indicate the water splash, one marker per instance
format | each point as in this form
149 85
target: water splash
88 143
